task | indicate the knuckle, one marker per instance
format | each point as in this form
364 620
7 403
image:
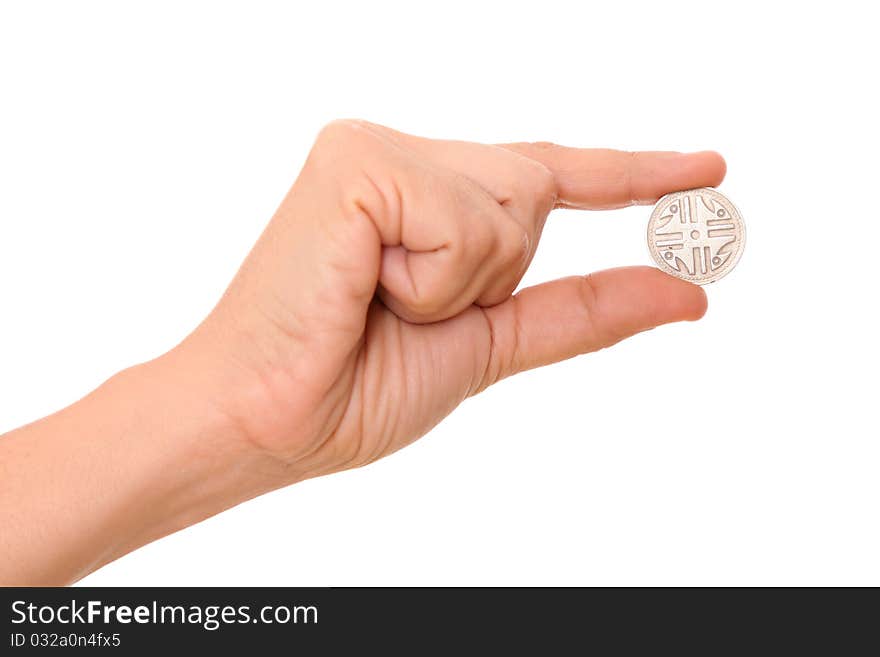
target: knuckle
340 129
490 239
545 183
597 328
475 237
543 145
589 305
337 139
536 190
515 245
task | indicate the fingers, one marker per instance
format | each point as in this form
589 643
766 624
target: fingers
482 245
563 318
458 223
596 179
466 221
523 192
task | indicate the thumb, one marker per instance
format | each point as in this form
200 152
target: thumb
570 316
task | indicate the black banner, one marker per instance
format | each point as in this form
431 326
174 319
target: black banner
415 620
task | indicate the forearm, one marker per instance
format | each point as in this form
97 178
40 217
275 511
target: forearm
144 455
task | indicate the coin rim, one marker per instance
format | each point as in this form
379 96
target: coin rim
664 266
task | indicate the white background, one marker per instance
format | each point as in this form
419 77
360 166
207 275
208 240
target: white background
143 148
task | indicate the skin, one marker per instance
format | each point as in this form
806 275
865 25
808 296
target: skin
377 299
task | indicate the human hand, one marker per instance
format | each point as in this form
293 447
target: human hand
377 299
379 296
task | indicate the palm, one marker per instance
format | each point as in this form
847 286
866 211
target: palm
405 379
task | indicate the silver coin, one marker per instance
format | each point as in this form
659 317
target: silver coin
697 235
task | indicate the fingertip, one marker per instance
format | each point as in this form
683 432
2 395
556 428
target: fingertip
699 302
711 165
679 300
658 297
661 173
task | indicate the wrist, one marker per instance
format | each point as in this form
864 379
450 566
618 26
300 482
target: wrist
146 454
197 461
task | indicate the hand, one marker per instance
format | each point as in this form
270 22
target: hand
379 297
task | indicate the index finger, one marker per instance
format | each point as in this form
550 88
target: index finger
601 178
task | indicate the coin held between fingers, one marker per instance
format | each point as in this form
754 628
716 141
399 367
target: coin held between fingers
697 235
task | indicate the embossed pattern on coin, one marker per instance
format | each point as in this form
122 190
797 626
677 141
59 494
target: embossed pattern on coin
697 235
